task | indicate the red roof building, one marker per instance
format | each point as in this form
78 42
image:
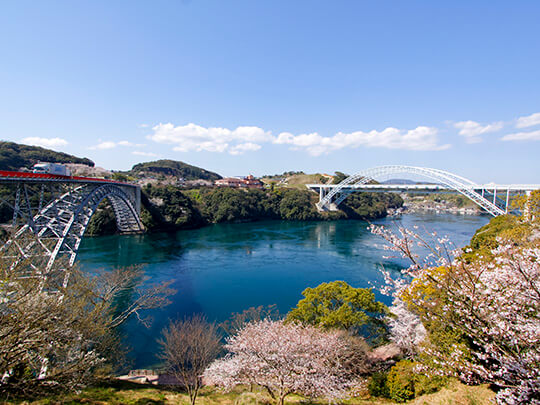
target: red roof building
247 182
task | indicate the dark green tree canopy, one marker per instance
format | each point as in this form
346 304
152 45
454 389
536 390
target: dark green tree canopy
13 156
338 305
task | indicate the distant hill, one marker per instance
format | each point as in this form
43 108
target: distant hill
175 168
13 156
406 181
398 181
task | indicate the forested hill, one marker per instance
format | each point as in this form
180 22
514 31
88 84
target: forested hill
175 168
13 156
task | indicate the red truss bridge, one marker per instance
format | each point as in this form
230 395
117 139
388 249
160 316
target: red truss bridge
46 216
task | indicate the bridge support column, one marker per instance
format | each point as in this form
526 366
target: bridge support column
321 193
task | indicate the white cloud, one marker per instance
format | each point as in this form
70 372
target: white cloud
472 130
523 136
103 145
193 137
421 139
131 144
244 147
141 153
45 142
111 145
143 126
528 121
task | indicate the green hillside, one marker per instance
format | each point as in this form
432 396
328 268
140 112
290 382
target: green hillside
175 168
13 156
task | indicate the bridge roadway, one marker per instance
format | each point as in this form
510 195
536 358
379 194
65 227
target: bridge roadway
42 232
426 187
494 198
486 191
11 176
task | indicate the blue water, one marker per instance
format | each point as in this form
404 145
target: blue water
227 268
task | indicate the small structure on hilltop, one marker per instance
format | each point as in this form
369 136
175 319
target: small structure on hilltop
240 182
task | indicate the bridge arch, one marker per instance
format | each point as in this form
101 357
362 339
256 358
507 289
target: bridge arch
450 180
56 231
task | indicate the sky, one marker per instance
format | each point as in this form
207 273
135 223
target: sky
262 87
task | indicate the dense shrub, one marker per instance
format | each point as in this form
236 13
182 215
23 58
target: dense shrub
368 205
377 384
402 383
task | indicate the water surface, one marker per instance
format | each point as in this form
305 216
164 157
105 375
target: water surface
227 268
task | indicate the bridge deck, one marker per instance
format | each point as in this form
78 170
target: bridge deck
405 187
10 176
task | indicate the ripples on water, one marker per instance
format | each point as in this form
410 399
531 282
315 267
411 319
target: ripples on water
227 268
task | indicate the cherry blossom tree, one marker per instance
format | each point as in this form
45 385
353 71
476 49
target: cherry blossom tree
406 328
492 308
285 358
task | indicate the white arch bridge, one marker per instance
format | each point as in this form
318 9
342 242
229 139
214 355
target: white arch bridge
49 215
493 198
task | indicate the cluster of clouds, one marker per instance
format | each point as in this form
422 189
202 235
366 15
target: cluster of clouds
473 130
111 145
192 137
196 138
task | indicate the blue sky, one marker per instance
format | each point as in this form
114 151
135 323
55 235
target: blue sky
263 87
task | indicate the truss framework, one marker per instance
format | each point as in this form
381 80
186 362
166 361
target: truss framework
50 218
336 195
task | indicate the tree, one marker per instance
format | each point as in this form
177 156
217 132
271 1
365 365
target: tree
338 305
65 337
482 317
296 205
188 347
253 314
529 205
285 358
339 177
406 328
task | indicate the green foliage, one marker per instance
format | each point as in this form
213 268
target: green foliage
403 383
13 156
122 177
508 227
103 221
377 385
455 199
339 177
168 208
234 205
175 168
297 205
366 205
400 382
338 305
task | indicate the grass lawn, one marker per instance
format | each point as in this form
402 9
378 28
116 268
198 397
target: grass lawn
120 393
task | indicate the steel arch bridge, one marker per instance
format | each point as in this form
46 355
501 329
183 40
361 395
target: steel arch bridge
51 214
484 196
